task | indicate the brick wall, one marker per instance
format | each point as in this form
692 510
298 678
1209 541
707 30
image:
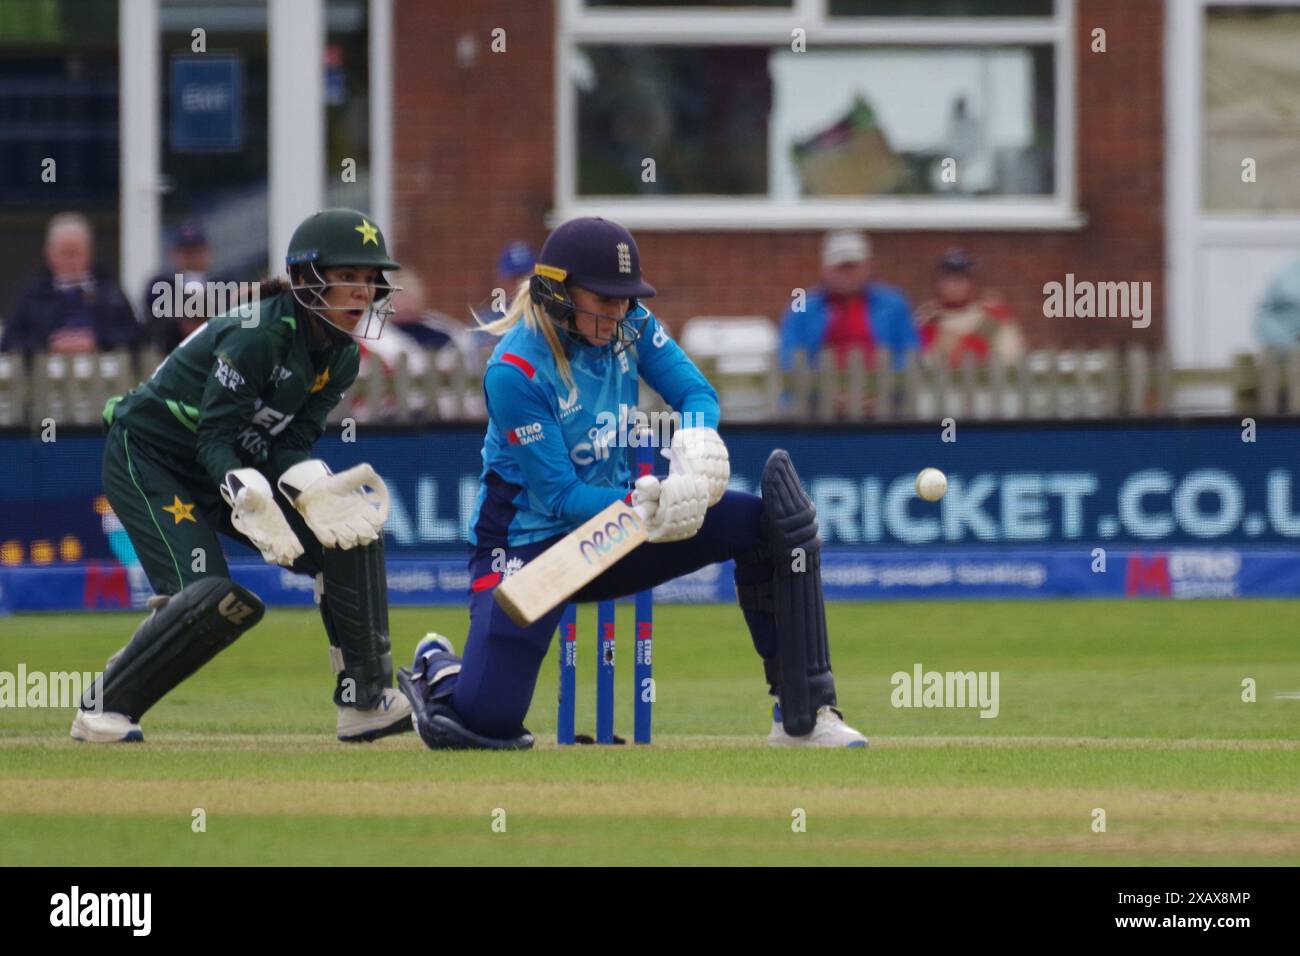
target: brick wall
473 166
473 145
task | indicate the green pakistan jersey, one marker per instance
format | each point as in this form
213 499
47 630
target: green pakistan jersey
241 391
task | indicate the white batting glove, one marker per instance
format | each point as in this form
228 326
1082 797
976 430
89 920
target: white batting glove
255 514
673 508
700 452
343 510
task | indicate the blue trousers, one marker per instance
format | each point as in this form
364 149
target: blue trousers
499 672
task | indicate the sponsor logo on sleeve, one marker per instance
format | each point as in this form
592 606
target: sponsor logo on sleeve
227 375
525 434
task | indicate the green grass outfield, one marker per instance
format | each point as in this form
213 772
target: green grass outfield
1131 707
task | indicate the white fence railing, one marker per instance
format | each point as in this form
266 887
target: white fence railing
1049 383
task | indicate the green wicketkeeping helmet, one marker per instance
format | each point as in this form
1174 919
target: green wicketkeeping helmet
333 238
339 237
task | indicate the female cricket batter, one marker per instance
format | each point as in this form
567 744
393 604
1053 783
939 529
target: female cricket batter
574 343
195 451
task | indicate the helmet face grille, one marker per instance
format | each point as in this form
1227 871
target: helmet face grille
555 301
312 292
630 328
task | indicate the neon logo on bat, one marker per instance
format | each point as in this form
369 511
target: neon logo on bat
603 539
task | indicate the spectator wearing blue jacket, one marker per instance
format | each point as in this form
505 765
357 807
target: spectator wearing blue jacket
848 310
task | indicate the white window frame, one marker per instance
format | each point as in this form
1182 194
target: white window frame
578 25
1191 230
139 94
381 112
295 120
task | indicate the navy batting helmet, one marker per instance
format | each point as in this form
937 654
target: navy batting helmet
593 254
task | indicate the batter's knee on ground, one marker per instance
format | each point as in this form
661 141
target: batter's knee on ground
499 668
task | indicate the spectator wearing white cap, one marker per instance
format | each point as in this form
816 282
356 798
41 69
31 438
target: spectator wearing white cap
848 310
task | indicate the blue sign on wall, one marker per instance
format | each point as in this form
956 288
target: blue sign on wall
207 113
1077 486
848 575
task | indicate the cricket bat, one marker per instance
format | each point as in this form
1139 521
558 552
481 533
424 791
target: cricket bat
571 563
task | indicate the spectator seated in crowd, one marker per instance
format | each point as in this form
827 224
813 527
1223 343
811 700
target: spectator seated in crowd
849 310
1277 316
514 265
964 320
430 341
434 331
70 307
191 258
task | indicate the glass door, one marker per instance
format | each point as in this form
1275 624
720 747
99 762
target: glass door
214 104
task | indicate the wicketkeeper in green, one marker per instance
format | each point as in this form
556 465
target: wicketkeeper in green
197 449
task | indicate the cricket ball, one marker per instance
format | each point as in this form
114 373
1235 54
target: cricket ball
931 483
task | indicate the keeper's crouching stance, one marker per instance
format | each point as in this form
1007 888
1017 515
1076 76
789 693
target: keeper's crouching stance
575 343
194 452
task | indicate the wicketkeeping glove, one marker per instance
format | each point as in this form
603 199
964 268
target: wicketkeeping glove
702 453
255 514
673 508
343 510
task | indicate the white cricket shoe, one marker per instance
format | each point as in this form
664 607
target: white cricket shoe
106 728
391 716
433 641
829 731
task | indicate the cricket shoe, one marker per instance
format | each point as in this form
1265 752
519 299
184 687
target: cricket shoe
433 648
829 731
392 715
436 665
106 728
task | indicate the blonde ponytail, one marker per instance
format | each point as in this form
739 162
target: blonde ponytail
524 309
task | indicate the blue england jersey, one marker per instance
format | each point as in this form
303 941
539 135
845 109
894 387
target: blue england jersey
555 454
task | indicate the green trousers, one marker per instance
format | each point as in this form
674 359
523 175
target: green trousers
173 515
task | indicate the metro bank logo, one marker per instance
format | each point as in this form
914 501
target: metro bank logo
525 434
603 539
1147 576
1185 573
